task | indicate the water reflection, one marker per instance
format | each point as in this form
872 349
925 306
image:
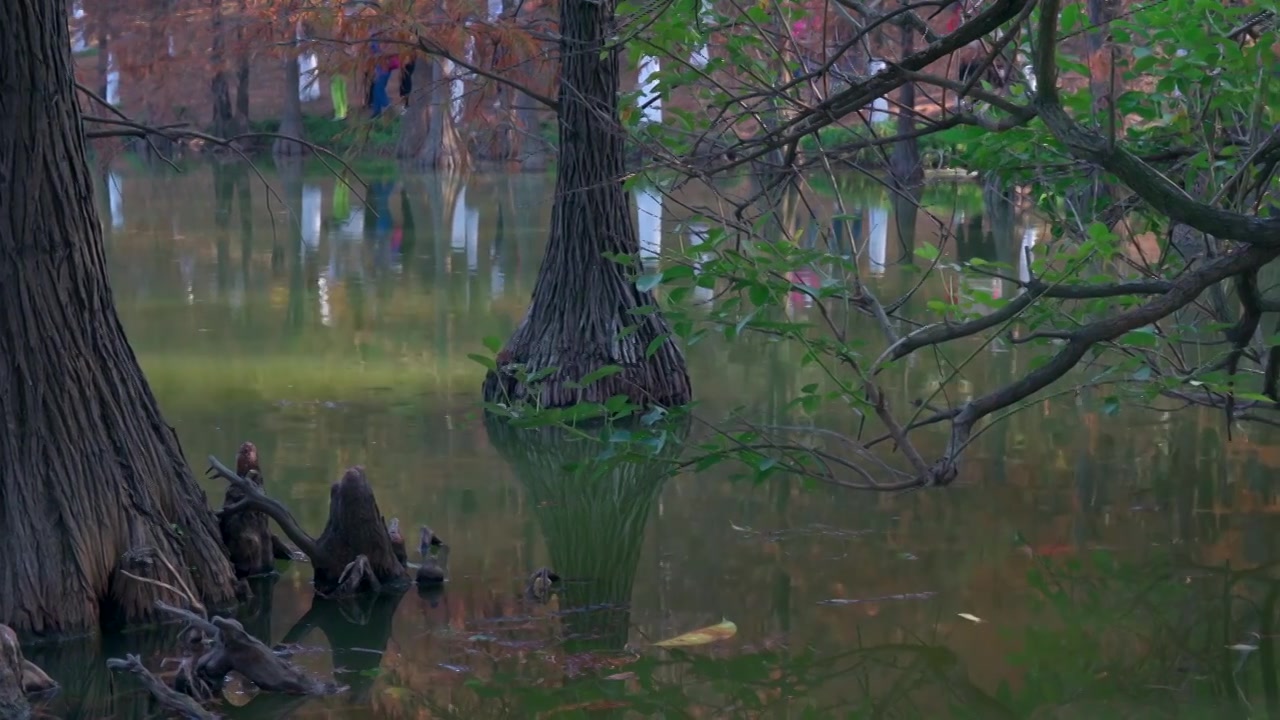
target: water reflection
372 369
312 221
466 230
593 517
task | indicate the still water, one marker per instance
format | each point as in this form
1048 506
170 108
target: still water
1078 569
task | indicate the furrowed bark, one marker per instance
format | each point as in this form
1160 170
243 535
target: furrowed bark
94 470
582 301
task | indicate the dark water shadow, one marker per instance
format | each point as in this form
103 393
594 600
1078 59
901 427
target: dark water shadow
593 513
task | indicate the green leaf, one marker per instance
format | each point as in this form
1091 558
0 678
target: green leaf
1111 406
759 295
484 360
654 345
599 373
493 343
648 281
676 272
928 251
583 411
654 415
1140 338
617 403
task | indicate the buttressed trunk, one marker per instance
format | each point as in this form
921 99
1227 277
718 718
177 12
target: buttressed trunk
582 301
88 467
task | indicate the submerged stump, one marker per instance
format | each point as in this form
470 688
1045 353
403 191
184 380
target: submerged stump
354 553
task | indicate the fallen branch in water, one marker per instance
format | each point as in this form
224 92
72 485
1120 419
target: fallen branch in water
166 696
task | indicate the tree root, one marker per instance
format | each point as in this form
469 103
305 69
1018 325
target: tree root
167 697
20 679
247 655
358 575
233 649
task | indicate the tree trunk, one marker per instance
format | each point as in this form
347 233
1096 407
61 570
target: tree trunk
416 123
242 69
94 471
104 53
443 149
581 300
223 120
291 115
506 141
1101 85
905 165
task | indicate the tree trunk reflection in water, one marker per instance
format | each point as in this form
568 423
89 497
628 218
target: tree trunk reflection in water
290 169
244 206
357 631
906 211
291 114
593 515
224 185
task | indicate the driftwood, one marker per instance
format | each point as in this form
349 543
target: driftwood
168 698
355 551
20 678
247 535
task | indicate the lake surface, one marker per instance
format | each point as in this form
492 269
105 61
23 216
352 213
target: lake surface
1110 560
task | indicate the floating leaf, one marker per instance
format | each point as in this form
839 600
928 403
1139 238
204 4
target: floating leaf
970 618
703 636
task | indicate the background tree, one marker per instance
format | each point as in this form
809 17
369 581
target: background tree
1036 102
586 313
89 470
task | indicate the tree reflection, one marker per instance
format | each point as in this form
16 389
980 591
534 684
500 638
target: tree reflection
593 513
357 630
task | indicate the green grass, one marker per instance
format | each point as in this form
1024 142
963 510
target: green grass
199 380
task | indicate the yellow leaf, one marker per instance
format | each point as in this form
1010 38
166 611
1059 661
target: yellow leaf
710 634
